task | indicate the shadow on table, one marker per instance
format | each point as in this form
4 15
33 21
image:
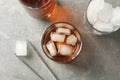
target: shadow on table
92 60
89 61
60 14
97 52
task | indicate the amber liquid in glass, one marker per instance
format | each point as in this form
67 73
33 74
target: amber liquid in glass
39 8
60 58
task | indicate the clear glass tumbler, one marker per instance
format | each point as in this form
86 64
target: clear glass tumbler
104 16
61 51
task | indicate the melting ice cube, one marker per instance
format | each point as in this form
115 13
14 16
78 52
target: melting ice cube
92 17
65 49
116 22
59 25
116 11
72 39
116 18
21 48
106 13
104 27
51 48
57 37
94 7
64 31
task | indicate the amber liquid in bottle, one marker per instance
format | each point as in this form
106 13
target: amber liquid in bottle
39 8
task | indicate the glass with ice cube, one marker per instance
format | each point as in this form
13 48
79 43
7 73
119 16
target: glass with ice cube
104 16
61 42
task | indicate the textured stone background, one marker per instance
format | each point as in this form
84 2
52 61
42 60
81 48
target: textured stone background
99 59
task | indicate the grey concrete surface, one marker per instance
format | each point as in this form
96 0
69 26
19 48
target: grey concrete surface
98 60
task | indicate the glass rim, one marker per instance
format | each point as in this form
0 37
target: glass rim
75 55
91 26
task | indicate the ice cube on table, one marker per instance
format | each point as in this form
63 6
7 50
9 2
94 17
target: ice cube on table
57 37
116 11
106 13
104 27
51 48
72 40
65 50
65 31
21 48
94 7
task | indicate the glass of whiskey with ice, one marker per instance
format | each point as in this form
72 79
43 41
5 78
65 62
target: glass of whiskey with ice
61 42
